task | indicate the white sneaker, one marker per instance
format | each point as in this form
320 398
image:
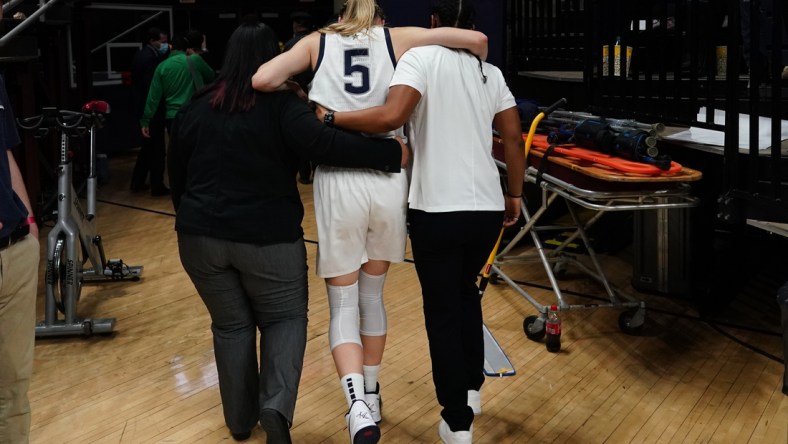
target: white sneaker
375 404
475 401
459 437
360 425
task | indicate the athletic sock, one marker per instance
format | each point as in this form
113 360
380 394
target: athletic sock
353 387
371 378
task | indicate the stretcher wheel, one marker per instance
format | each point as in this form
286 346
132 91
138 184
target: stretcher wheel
533 327
628 324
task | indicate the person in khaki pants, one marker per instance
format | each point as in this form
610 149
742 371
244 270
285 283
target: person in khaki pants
18 279
19 253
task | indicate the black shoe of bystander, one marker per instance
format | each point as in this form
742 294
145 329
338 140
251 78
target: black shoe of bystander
138 188
242 436
160 191
275 426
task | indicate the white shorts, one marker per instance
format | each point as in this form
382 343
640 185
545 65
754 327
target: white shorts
360 216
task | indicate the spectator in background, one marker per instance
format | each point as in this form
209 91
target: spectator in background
195 43
193 37
232 163
302 26
174 82
150 159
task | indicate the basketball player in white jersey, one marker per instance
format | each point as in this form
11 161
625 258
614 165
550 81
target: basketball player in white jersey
360 214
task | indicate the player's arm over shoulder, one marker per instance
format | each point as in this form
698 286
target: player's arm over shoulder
274 73
409 37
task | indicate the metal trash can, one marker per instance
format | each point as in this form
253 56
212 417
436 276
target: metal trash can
782 300
661 250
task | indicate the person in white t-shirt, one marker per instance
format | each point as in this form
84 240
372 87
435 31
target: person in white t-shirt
360 214
450 98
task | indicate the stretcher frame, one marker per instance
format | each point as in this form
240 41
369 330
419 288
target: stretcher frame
632 197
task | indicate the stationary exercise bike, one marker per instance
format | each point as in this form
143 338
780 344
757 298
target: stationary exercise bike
73 241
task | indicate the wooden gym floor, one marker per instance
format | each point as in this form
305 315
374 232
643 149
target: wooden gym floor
154 380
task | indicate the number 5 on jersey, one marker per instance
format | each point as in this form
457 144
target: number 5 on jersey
352 68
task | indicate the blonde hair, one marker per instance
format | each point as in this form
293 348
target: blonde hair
358 16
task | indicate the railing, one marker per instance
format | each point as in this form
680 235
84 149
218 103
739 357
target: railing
672 73
547 35
26 23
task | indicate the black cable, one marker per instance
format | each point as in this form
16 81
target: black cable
657 310
713 324
744 344
164 213
133 207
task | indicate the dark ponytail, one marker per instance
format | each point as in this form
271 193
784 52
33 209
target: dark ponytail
250 45
457 14
454 13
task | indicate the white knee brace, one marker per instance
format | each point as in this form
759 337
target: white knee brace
343 306
370 304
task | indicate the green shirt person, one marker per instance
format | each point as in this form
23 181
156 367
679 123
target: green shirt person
174 81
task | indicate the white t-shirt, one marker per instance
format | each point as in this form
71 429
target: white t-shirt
451 129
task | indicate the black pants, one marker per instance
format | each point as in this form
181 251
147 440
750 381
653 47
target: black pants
249 288
450 250
150 159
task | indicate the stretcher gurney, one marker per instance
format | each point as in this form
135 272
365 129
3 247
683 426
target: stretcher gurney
580 184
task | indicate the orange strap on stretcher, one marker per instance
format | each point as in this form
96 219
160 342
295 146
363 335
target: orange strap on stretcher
624 165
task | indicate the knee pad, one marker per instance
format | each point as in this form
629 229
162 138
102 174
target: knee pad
372 312
343 309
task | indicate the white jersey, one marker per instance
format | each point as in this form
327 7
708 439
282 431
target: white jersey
450 129
360 213
354 72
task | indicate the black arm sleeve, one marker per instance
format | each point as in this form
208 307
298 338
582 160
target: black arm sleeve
313 140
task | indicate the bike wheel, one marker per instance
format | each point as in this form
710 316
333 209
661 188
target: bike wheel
64 273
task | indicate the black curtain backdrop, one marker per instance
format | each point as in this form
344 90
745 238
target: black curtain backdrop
489 20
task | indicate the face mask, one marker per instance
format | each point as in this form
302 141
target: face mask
163 48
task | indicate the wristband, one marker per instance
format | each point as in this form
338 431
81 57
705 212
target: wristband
328 119
30 220
513 196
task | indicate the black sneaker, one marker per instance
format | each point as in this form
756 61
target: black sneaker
241 436
276 427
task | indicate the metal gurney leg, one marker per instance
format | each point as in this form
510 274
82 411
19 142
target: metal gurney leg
631 320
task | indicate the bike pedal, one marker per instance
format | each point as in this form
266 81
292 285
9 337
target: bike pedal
115 269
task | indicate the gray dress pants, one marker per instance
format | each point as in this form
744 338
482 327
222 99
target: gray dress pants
246 288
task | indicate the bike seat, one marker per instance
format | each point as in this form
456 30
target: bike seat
96 106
